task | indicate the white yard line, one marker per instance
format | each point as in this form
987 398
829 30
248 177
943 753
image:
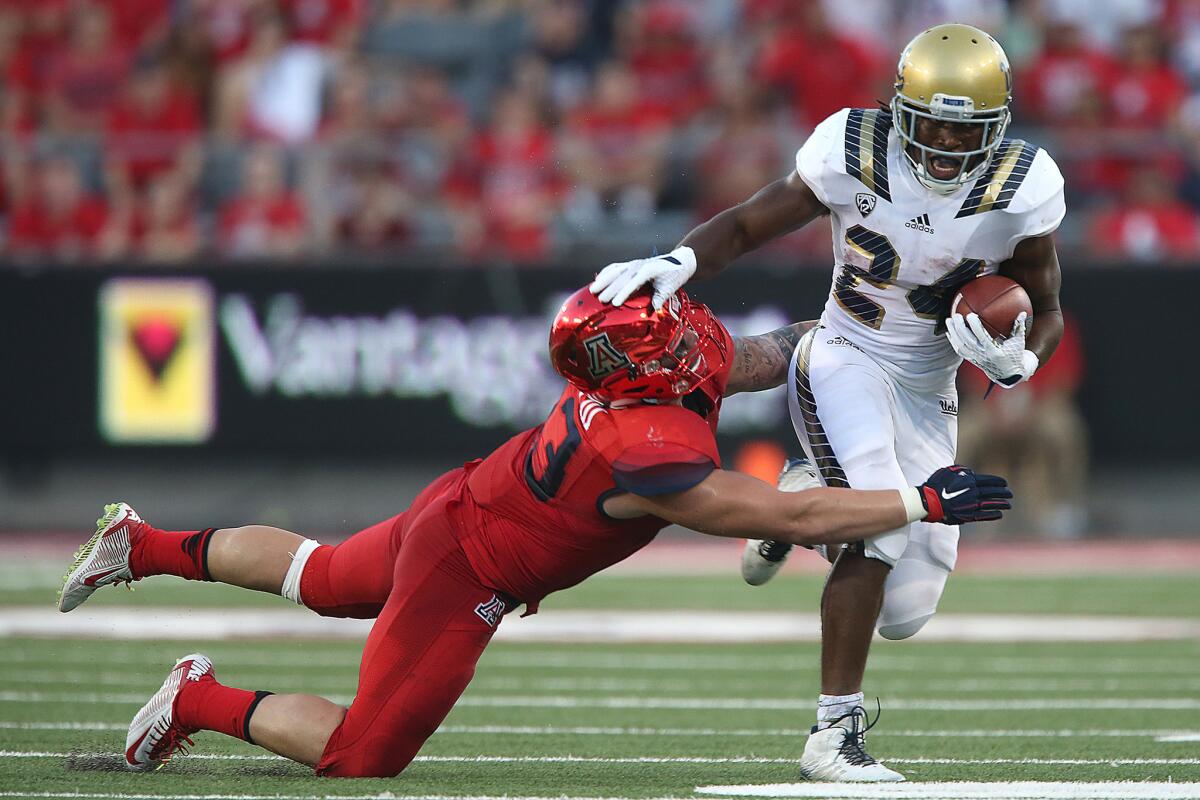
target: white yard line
697 703
966 791
568 759
1159 734
562 658
1142 685
707 626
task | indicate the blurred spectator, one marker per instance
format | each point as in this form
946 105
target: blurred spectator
1146 92
658 42
154 128
85 76
559 39
274 90
818 70
1066 80
746 151
265 219
139 24
1104 22
1035 436
58 220
1150 224
504 191
375 212
331 24
615 149
160 227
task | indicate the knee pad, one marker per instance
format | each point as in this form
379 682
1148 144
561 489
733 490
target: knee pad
910 597
291 581
903 630
887 547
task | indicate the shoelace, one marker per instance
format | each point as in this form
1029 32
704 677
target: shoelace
172 742
774 551
854 743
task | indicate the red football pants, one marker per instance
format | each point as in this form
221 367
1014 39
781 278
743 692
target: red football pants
434 621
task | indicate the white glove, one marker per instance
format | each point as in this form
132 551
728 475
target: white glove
1004 361
616 282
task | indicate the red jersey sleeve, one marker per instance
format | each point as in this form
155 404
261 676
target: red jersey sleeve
662 449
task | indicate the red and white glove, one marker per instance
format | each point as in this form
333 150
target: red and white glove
954 495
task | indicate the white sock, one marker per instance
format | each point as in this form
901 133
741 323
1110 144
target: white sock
832 706
291 581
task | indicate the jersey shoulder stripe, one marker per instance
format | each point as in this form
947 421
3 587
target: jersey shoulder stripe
994 190
866 148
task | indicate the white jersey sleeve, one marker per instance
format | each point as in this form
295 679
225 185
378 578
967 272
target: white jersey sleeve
821 160
1038 206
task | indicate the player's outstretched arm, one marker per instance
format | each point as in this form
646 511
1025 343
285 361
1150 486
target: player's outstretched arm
778 208
761 362
734 504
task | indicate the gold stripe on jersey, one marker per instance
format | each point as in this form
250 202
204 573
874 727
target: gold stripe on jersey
823 455
866 149
994 189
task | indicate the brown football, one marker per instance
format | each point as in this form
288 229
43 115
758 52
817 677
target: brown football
996 299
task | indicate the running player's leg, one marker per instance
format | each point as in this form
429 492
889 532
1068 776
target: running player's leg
841 406
926 438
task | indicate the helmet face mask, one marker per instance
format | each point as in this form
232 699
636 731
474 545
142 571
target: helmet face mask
951 74
632 352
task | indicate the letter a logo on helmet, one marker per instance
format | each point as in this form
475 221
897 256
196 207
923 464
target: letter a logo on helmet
603 358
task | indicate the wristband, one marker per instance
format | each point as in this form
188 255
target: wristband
913 507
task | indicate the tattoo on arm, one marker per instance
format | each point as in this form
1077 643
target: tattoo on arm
761 362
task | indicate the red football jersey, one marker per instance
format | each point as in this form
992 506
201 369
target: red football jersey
540 526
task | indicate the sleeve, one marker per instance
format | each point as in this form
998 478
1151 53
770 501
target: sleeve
1038 207
662 450
823 155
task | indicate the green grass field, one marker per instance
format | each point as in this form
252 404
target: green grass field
645 720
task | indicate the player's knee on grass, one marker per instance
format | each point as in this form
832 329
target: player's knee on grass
910 598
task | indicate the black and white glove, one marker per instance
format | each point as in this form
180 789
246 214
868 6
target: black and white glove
1004 361
616 282
954 495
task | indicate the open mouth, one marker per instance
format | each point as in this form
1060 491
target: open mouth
945 167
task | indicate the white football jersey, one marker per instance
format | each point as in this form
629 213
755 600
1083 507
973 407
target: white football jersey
901 250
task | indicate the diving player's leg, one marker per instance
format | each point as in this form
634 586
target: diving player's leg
419 657
926 438
841 405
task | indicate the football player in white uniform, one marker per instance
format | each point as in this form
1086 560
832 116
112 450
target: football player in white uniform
924 196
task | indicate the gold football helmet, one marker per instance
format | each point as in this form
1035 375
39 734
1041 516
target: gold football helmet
952 73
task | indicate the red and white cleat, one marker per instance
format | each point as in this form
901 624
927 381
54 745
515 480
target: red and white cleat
104 559
153 735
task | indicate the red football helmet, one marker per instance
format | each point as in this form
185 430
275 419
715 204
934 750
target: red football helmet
632 352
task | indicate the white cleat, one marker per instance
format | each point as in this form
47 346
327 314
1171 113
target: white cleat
762 558
103 559
153 735
838 754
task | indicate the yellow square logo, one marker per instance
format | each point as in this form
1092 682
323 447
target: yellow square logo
157 361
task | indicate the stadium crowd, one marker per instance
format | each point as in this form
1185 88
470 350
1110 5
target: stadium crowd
165 130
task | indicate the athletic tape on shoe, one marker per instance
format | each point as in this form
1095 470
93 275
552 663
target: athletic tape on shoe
291 581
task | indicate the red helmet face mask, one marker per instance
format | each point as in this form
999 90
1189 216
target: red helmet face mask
632 352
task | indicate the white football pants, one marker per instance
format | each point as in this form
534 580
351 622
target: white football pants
865 429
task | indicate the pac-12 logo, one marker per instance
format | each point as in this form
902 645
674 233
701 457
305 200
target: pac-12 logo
865 202
603 358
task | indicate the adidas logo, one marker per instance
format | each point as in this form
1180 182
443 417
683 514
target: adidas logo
920 223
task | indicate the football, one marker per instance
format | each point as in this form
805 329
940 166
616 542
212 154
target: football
996 299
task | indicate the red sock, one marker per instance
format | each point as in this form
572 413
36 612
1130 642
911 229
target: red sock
182 553
211 706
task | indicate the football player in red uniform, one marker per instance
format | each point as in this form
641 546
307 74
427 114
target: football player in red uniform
628 448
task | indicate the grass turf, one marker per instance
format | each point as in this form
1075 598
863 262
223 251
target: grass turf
947 708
